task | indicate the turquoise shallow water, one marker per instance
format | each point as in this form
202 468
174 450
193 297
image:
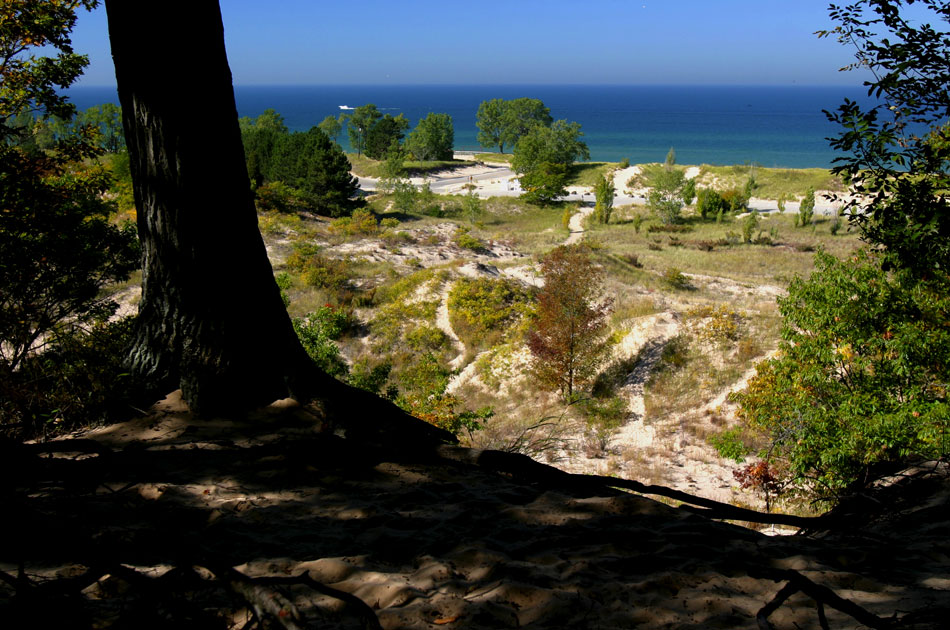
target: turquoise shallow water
771 126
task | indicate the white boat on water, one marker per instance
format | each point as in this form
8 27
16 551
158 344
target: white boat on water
346 107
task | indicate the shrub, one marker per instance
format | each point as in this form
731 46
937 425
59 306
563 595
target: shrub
730 444
280 197
318 270
708 203
465 240
315 336
675 279
806 209
79 380
749 225
625 163
861 378
637 222
361 223
482 310
719 323
603 416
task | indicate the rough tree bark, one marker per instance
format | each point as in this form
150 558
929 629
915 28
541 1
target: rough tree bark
211 319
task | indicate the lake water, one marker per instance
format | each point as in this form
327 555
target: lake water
771 126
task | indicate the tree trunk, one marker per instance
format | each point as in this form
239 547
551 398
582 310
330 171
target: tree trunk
211 319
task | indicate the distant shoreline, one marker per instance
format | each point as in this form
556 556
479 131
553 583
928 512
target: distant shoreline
772 126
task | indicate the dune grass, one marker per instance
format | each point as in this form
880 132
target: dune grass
589 173
771 183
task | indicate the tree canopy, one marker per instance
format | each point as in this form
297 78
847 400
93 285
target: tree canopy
433 138
502 123
896 153
60 248
307 161
567 338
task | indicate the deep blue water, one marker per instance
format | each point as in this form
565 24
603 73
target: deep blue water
771 126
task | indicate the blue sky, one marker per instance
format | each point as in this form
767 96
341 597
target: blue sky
758 42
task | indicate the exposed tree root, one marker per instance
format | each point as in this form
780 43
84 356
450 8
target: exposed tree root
823 596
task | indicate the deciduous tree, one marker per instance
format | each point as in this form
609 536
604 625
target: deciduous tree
567 339
359 123
604 198
433 138
211 319
333 126
896 153
491 124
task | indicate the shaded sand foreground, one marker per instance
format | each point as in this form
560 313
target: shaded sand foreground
168 522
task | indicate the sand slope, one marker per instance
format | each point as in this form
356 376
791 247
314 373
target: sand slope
425 539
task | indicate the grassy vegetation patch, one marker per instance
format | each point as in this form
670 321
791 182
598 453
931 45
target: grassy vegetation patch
589 173
484 311
770 183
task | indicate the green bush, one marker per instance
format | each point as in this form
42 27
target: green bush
80 380
465 240
318 270
675 279
483 310
730 444
861 376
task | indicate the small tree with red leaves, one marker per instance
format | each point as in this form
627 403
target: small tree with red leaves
567 338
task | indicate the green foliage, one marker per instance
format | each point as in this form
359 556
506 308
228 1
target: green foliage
567 336
472 206
897 154
688 192
503 122
559 144
433 138
717 323
604 196
58 357
491 124
483 310
34 84
316 339
318 270
318 168
666 194
749 225
637 222
861 377
359 123
566 217
284 283
423 394
384 134
79 380
279 197
333 127
730 444
675 279
544 184
465 240
371 378
709 203
806 210
59 250
735 200
362 223
603 417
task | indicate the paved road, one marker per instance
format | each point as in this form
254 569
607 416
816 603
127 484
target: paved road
450 185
